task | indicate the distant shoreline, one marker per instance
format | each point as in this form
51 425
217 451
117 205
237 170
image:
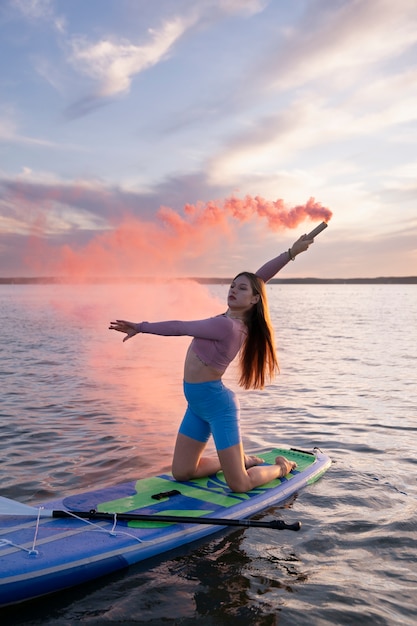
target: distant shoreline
51 280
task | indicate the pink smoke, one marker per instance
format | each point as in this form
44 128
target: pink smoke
136 247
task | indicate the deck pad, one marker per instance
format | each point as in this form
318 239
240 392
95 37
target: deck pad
194 498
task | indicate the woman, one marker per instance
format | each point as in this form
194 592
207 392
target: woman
245 328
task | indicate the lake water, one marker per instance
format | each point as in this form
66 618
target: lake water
79 408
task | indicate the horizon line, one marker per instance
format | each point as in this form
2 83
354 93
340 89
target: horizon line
28 280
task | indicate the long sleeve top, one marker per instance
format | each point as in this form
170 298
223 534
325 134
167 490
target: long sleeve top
216 340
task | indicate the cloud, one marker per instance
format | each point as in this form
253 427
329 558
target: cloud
40 10
9 132
34 9
314 119
335 39
114 63
94 204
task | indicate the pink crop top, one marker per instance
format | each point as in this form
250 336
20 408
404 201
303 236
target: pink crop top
216 340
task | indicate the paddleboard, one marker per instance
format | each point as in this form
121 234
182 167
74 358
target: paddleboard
40 554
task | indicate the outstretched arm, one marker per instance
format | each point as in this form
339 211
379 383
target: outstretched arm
272 267
217 328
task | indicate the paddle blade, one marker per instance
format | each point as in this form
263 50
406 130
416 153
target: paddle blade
12 507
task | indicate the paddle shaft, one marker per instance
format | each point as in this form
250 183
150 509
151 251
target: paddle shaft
178 519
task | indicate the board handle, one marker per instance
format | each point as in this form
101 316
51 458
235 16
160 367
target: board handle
166 494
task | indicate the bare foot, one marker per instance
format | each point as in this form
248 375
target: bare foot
251 461
286 466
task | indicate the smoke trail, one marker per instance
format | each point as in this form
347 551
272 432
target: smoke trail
275 212
161 247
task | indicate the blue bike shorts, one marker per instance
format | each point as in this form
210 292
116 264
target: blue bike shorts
213 409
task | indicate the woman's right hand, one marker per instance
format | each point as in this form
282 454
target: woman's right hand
122 326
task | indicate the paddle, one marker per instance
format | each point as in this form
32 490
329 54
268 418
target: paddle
12 507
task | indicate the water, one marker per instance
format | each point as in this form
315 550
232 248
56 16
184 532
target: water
81 409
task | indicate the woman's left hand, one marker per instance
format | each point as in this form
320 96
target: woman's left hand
301 245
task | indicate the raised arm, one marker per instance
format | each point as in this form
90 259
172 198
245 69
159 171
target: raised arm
272 267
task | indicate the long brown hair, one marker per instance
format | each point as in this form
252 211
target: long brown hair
258 359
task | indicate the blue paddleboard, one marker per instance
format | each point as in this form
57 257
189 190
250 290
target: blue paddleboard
40 555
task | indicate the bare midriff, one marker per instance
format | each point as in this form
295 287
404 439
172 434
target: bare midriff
195 371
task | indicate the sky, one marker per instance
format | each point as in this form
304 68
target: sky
144 138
